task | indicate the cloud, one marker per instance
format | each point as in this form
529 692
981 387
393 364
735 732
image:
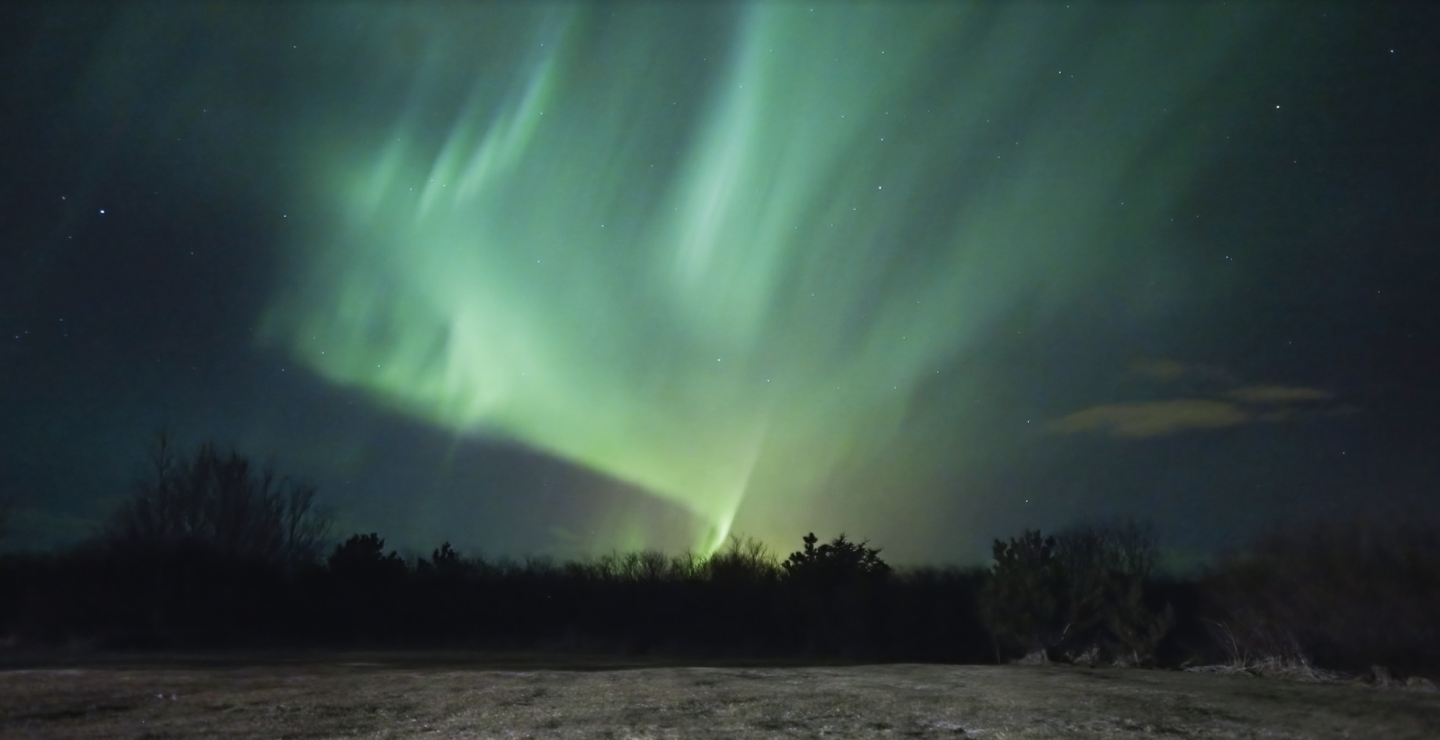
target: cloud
1229 404
1153 418
1163 370
1277 394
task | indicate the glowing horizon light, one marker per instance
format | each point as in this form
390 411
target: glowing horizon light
723 301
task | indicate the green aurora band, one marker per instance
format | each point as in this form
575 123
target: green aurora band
718 260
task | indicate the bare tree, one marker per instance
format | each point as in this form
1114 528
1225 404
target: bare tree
221 502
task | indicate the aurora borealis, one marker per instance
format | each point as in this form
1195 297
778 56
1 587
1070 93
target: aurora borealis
709 326
880 268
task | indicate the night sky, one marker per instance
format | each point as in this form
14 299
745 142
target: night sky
556 279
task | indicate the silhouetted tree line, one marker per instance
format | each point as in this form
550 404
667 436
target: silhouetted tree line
211 551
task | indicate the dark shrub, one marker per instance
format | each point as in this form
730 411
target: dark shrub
833 597
1343 594
1108 570
1082 594
367 599
838 562
1021 602
362 558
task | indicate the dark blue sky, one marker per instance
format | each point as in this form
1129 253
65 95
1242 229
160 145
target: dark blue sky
1255 346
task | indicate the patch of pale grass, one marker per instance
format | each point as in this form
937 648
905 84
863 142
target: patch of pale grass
1274 666
332 699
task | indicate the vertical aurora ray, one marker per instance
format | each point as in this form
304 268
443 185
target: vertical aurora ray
719 282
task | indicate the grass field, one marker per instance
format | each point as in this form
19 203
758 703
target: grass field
439 695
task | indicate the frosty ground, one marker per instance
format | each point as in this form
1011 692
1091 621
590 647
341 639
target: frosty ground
488 697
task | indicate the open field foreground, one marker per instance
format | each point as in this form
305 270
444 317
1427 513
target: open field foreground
351 697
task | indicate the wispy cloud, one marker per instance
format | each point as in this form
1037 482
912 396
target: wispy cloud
1277 394
1163 370
1226 404
1153 418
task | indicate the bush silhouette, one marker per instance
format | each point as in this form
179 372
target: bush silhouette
1081 593
833 596
1020 603
444 563
839 561
363 558
1107 568
367 599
